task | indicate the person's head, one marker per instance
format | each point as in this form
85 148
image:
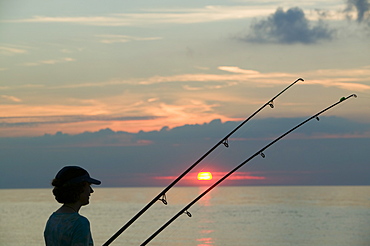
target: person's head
70 182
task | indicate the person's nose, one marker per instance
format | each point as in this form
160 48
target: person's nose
91 190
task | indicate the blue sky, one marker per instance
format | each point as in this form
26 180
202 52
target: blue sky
71 69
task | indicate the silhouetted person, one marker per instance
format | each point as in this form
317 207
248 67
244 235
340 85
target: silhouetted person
66 226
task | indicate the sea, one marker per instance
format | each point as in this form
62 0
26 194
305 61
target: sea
248 216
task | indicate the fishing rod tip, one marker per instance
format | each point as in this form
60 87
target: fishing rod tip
344 98
301 79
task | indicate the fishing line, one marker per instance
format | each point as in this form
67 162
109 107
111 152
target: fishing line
237 138
363 95
177 230
241 132
224 141
260 152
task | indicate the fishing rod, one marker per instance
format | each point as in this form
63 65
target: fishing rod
259 152
162 195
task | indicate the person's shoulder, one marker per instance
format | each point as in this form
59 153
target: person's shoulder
82 220
60 216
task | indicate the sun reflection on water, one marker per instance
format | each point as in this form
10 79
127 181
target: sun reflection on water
206 241
206 222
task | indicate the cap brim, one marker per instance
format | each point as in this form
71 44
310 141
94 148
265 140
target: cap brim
93 181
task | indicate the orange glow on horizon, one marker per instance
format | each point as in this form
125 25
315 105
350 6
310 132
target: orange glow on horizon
197 179
218 175
204 176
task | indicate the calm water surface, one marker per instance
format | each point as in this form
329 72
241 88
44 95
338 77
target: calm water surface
250 216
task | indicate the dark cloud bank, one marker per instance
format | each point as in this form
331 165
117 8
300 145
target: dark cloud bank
127 159
60 119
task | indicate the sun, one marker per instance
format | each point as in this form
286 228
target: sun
204 176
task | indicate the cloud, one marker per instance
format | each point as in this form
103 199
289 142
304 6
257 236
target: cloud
346 79
11 98
202 78
349 79
362 8
328 127
6 50
288 27
28 121
188 98
350 86
233 69
22 86
344 84
157 16
330 147
239 75
49 62
111 39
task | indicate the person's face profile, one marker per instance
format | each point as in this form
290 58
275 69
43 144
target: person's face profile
85 195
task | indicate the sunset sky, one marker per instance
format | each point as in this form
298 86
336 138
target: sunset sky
118 77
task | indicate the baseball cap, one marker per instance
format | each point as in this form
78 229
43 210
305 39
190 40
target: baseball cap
75 174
